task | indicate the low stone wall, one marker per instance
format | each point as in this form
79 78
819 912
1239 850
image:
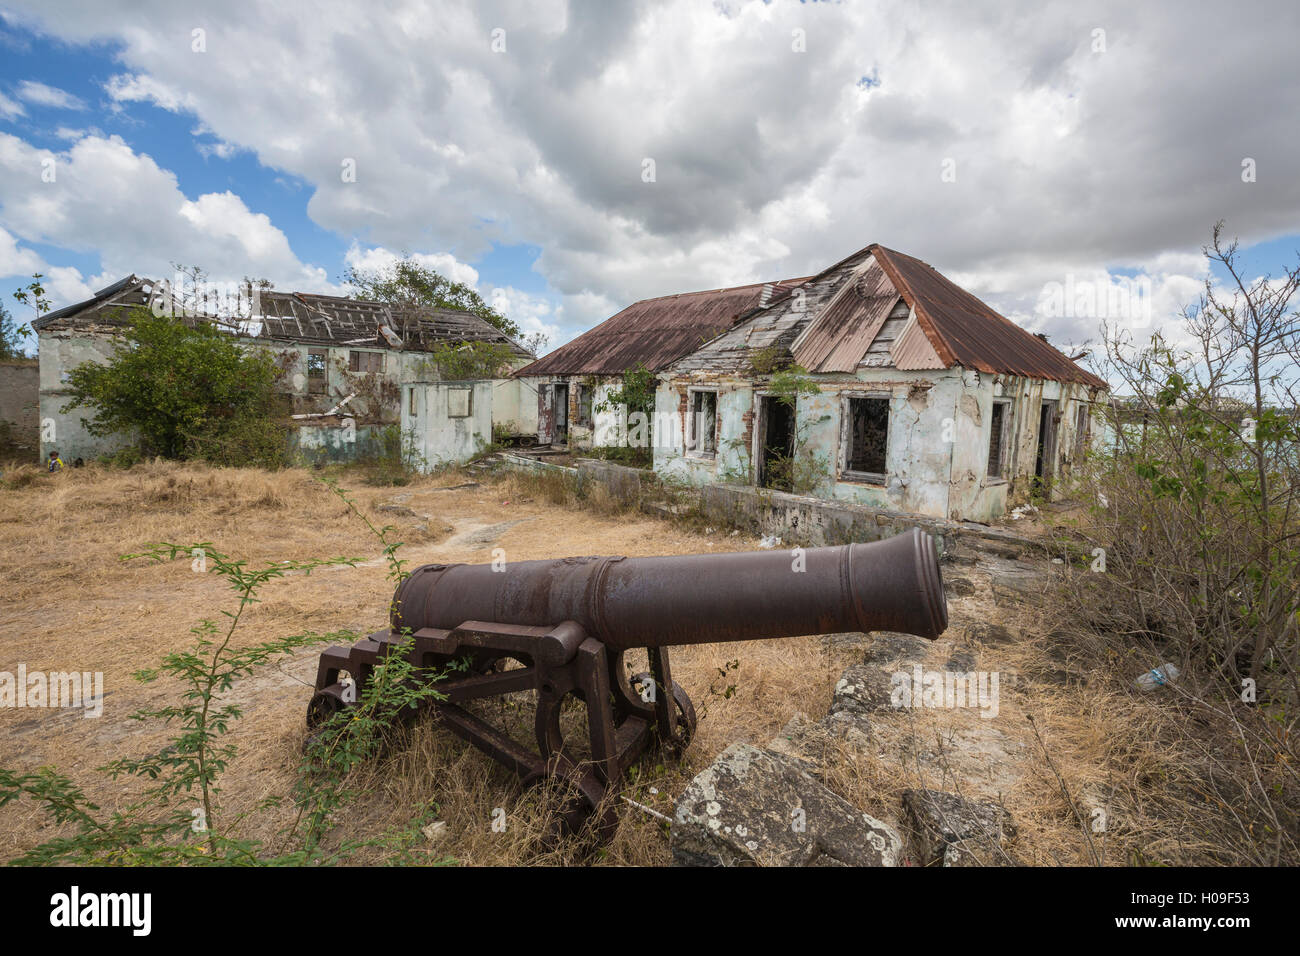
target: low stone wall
814 522
19 408
795 519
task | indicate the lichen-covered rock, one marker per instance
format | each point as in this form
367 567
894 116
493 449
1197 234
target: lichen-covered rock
889 647
754 807
950 830
862 690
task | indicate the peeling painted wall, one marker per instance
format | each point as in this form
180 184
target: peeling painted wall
604 429
59 353
514 406
435 436
978 497
937 446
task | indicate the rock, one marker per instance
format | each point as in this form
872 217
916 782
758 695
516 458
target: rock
888 647
754 807
845 639
1016 586
435 831
957 587
798 739
862 690
962 661
988 634
402 510
950 830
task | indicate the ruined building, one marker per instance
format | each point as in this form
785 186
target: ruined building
880 382
574 381
348 368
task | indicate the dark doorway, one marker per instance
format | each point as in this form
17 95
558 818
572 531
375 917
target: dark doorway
552 414
776 444
561 407
1046 453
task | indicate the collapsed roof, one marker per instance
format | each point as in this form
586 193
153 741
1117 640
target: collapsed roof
295 317
882 307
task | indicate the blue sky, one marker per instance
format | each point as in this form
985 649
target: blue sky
784 136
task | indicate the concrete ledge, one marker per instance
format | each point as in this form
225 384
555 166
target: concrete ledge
536 464
815 522
795 519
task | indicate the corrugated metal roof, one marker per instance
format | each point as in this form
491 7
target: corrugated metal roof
838 338
302 317
656 332
965 331
335 320
912 350
96 302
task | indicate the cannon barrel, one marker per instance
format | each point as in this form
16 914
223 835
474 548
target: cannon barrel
892 585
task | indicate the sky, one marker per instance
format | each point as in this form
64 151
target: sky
569 158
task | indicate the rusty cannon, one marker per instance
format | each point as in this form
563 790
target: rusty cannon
561 628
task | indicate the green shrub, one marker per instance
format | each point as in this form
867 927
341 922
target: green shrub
182 391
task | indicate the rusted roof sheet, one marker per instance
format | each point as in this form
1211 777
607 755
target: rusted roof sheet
656 332
300 317
837 339
335 320
964 331
111 305
912 351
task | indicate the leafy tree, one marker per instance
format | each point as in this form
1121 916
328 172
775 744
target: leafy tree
637 392
11 335
33 294
468 360
407 282
185 392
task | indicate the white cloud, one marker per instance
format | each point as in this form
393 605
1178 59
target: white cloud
377 259
142 88
10 109
533 314
15 260
769 162
110 200
42 95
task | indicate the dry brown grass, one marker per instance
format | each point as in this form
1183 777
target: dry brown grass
71 604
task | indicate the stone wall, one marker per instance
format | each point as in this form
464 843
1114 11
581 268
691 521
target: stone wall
20 394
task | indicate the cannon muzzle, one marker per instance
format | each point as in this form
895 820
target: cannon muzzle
892 585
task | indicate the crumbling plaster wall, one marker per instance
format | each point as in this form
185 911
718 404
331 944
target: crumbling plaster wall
514 406
60 352
937 449
733 432
606 427
433 435
918 457
975 495
378 400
